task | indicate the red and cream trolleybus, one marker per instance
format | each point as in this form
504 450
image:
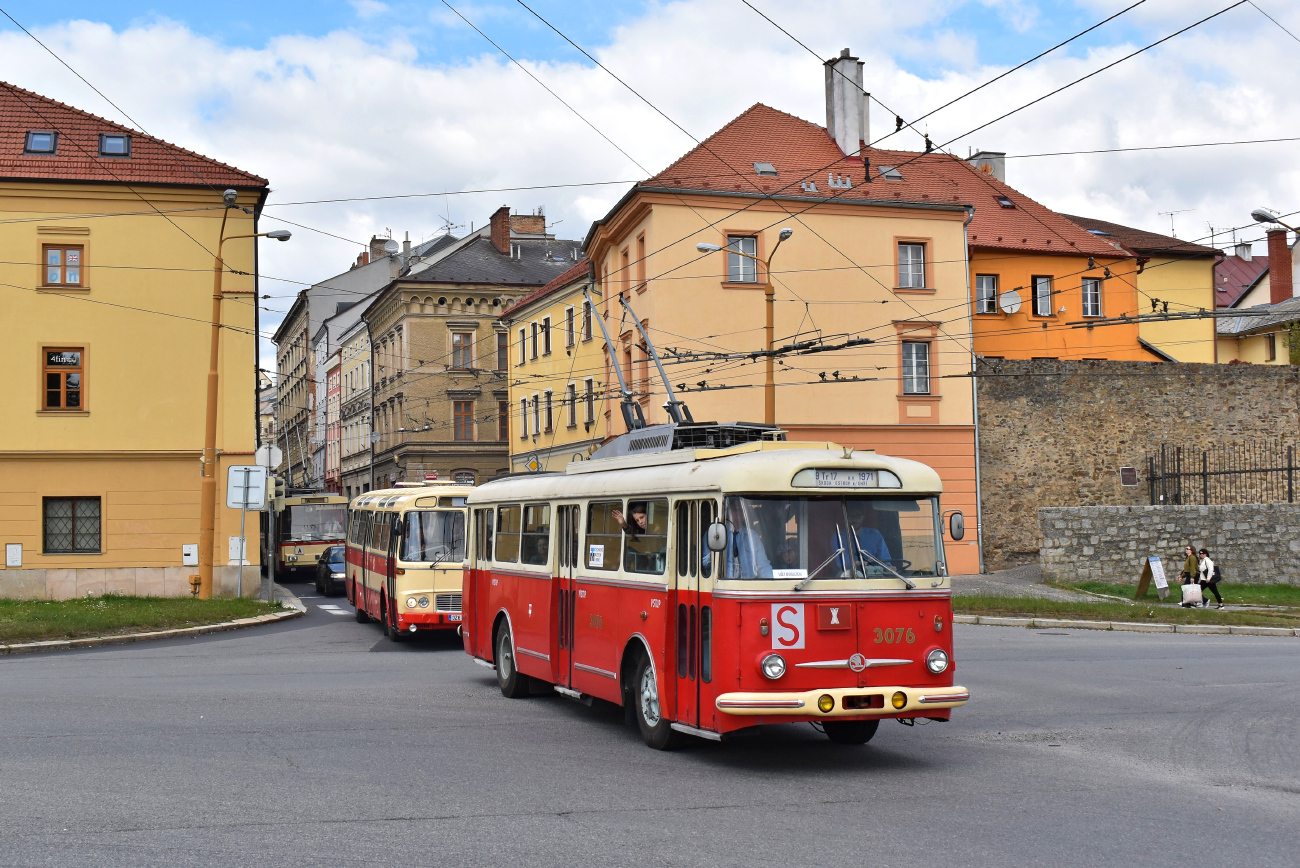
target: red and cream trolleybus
714 577
309 524
405 554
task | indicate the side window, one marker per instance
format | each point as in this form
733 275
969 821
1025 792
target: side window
647 537
537 534
684 510
508 522
376 526
604 535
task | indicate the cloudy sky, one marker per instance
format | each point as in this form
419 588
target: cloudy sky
338 100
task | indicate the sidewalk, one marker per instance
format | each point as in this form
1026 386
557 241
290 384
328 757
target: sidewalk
1016 582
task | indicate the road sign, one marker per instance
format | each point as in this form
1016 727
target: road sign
431 476
246 487
269 455
1153 569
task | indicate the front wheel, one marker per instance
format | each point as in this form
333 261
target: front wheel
513 683
650 718
850 731
358 601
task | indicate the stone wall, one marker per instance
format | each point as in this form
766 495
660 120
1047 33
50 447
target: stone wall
1055 433
67 584
1251 543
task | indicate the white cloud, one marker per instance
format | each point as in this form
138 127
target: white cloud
369 8
341 115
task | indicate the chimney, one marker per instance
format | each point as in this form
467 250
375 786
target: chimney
500 226
846 115
1243 250
1279 266
406 248
992 163
377 248
531 224
363 258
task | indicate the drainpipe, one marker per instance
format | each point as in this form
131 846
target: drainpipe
974 395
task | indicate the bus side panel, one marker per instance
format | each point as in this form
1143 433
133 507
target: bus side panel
644 612
597 648
356 559
531 614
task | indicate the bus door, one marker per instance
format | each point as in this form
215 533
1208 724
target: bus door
568 518
476 583
689 667
389 562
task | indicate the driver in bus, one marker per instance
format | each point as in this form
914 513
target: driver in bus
869 540
745 555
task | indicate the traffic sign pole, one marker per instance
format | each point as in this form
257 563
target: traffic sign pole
243 540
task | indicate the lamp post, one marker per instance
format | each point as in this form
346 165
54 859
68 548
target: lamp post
769 385
208 488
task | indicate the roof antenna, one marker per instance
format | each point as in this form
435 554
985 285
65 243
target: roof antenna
633 418
676 409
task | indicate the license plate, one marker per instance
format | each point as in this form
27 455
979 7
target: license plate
453 617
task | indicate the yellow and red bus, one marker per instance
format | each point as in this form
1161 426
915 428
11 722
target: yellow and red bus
405 555
713 589
309 524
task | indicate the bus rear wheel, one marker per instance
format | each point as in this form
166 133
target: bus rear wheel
850 731
650 719
358 597
513 683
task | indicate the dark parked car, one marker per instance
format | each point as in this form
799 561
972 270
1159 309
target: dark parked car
330 571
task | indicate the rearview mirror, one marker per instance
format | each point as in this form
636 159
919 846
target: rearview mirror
716 537
956 525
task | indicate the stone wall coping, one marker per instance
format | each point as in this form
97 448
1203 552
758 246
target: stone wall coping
1124 626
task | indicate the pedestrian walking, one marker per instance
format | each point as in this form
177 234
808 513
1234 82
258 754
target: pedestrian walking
1191 567
1208 577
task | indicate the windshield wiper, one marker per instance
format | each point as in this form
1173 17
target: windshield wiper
911 586
813 575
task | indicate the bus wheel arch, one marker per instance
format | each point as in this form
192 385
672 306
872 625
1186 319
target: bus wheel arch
513 683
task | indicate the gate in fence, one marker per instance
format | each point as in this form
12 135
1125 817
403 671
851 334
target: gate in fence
1249 473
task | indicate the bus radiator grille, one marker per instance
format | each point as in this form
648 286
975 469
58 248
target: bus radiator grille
447 602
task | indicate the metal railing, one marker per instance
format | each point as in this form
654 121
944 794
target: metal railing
1246 473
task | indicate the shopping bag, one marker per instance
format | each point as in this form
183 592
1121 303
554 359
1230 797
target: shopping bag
1191 595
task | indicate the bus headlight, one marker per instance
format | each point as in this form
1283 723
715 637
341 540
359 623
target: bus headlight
773 666
937 660
424 602
410 602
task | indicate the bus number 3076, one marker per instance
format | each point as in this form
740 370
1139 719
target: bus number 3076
889 636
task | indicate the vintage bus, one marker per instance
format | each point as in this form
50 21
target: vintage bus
309 524
711 589
405 554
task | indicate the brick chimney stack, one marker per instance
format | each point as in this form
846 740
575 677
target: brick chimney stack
500 226
1279 267
846 104
533 224
377 248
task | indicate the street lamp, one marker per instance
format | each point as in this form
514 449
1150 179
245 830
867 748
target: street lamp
769 385
1263 215
208 488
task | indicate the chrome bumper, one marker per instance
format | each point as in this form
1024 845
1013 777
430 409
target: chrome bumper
804 703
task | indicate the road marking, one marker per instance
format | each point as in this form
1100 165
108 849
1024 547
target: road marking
326 606
333 610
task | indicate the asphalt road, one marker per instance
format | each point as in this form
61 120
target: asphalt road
318 742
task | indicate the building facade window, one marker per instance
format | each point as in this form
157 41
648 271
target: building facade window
1091 296
1042 295
462 350
916 368
571 400
537 414
41 142
63 265
740 267
503 351
64 378
523 346
986 293
1272 348
640 263
546 335
569 336
586 320
503 420
533 353
523 418
463 420
911 265
114 145
71 525
589 398
548 412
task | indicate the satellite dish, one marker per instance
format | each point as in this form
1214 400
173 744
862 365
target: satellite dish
1009 301
391 247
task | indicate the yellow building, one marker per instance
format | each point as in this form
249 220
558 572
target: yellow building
1172 276
870 296
554 395
107 245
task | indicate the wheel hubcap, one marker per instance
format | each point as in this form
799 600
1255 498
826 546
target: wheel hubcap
649 698
504 654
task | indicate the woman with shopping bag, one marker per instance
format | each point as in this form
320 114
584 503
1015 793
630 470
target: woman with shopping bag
1191 578
1208 579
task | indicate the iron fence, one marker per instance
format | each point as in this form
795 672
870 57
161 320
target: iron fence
1248 473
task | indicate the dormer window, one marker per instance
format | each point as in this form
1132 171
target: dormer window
765 170
1005 202
41 142
114 145
889 173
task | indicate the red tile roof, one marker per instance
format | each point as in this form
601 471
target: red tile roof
152 161
1234 276
804 153
578 270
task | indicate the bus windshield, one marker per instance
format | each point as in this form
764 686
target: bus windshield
316 521
829 537
434 536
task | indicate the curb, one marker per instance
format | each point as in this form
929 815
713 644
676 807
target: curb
1215 629
296 610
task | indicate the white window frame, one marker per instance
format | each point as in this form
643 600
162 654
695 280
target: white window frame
589 398
549 415
523 418
911 265
986 293
569 334
571 398
537 413
586 320
523 346
1042 300
546 335
1091 290
916 367
742 269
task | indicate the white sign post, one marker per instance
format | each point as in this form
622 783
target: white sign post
269 456
245 490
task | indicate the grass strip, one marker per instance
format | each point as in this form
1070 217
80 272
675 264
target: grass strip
1035 607
1259 595
112 615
